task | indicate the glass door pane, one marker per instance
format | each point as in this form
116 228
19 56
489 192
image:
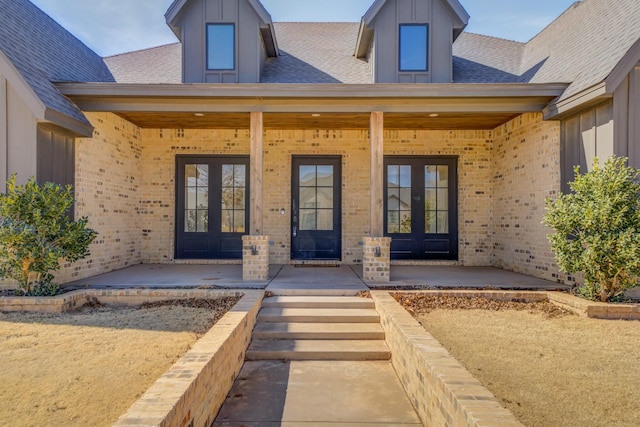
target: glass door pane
196 198
436 201
399 200
233 197
316 197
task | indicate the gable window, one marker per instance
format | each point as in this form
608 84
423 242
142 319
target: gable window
414 47
221 46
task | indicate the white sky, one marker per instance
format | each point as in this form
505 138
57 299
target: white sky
116 26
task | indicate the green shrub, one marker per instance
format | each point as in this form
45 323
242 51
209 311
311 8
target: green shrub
597 228
36 233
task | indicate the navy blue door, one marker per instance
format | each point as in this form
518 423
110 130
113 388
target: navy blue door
421 207
316 214
212 206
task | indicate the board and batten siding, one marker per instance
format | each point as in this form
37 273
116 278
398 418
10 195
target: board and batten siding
626 112
56 156
248 56
385 45
585 136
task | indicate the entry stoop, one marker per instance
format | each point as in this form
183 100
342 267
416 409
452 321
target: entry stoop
318 328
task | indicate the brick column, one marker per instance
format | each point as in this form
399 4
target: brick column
377 259
255 257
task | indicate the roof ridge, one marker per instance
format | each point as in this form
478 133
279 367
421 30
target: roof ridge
494 37
141 50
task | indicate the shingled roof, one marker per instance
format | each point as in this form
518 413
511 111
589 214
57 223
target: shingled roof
44 52
581 47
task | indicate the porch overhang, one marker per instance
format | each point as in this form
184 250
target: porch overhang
337 106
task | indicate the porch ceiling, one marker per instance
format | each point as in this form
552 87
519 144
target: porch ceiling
420 121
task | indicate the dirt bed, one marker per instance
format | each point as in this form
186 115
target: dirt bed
86 368
549 368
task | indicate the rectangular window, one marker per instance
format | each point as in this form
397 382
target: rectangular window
221 46
414 47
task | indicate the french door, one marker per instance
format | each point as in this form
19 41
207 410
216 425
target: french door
212 206
421 207
316 214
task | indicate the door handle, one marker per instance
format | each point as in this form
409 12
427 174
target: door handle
295 231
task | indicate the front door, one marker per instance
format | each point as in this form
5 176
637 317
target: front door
316 214
212 206
421 207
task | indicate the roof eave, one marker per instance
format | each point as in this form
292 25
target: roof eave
562 108
624 67
338 98
76 127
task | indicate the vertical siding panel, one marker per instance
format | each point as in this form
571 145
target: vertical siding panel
4 155
588 133
604 132
621 119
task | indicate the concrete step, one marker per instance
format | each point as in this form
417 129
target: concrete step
316 290
318 331
318 302
318 315
317 350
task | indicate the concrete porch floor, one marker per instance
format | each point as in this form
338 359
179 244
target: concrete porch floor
348 277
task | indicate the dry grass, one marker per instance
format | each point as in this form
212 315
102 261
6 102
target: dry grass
549 370
86 368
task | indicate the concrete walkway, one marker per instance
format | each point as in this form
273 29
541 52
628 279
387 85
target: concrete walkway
313 280
318 394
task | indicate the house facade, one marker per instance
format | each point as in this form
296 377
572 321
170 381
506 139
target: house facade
400 139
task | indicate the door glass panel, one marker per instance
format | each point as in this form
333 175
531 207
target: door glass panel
308 219
399 199
234 201
393 221
436 204
307 176
430 222
316 197
197 198
307 197
325 219
238 222
325 176
325 198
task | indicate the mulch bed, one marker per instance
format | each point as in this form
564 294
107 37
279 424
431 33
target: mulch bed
421 303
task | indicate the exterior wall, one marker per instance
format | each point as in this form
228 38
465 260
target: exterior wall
585 136
526 170
626 113
56 156
194 19
157 193
20 143
108 184
386 43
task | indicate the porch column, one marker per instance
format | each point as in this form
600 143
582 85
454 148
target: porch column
255 208
255 247
376 175
376 256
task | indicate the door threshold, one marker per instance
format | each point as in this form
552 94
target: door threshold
316 265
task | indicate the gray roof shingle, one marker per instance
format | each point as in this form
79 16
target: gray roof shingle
44 52
162 64
312 52
583 45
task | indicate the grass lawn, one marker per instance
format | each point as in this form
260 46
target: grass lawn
86 368
548 369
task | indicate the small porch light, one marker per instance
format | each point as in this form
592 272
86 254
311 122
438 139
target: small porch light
434 115
282 211
199 114
254 250
315 115
377 252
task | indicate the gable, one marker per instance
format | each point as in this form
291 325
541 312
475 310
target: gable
44 52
